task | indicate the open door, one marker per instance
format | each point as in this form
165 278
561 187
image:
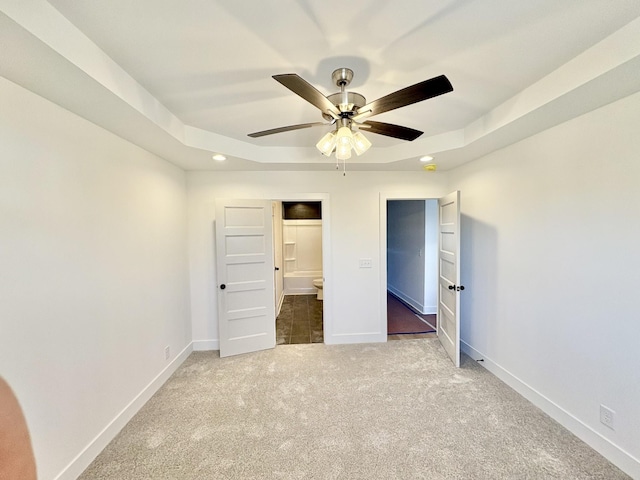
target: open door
449 275
244 253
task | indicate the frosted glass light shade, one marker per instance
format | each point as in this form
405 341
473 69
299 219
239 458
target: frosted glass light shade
343 151
327 144
344 136
360 143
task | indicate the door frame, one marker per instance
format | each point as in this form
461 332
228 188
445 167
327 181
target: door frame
384 197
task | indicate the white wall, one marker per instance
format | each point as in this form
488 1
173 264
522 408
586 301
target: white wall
302 255
550 239
92 276
302 246
352 295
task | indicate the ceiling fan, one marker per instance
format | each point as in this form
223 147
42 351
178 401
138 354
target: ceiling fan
347 110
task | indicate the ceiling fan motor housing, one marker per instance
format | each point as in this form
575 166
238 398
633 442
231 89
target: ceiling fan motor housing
342 77
354 100
345 101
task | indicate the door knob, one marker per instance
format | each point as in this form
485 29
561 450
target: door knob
460 288
277 268
452 287
223 286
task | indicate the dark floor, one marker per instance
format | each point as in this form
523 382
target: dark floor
398 311
300 320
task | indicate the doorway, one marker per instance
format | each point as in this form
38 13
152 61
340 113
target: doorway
298 254
448 270
246 274
411 266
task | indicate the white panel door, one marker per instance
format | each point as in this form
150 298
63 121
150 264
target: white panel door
244 253
449 275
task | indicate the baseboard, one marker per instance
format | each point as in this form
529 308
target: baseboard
301 291
205 345
91 451
616 455
348 338
412 302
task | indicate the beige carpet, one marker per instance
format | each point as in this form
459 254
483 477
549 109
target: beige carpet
397 410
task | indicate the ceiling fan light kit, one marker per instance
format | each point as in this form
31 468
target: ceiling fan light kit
346 109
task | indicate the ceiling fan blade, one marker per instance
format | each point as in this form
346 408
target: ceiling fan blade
286 129
407 96
390 130
304 89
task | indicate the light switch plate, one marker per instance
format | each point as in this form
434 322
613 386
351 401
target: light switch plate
365 263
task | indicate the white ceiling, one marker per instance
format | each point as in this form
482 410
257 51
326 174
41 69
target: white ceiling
186 79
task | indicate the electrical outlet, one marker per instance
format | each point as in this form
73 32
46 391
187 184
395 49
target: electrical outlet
167 353
607 416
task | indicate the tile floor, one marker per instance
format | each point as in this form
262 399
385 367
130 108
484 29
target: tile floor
300 320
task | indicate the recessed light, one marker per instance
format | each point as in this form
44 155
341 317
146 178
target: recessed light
219 158
426 158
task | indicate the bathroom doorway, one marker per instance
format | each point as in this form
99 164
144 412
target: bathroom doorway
299 275
245 262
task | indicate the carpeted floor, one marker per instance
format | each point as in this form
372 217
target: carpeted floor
401 319
395 410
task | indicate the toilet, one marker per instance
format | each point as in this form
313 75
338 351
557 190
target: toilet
318 284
